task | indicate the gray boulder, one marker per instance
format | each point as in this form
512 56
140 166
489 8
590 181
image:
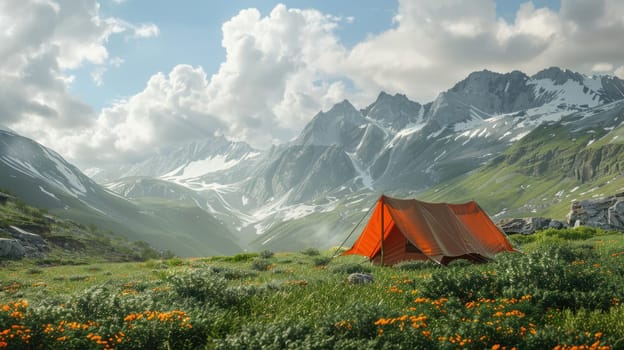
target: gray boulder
525 226
11 249
606 212
33 245
28 238
556 224
360 278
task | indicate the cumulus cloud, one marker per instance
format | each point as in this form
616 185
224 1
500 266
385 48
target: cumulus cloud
281 68
42 41
279 71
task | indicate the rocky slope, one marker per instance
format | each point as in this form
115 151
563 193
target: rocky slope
579 157
28 232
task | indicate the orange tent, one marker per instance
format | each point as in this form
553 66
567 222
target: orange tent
415 230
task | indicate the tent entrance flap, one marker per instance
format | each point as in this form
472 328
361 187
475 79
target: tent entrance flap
402 229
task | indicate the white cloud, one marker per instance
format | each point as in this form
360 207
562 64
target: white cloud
602 67
97 74
116 62
279 71
42 41
146 30
437 43
281 68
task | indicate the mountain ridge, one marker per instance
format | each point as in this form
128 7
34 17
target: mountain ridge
345 156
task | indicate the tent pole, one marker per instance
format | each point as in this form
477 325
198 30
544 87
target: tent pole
382 230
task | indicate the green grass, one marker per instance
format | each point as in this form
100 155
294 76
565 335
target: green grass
566 289
542 173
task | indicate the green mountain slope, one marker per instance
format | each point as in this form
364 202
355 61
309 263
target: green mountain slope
42 178
67 241
574 159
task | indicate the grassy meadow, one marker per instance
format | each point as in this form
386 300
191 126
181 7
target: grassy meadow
565 291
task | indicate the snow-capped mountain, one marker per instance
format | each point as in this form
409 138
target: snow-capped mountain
42 178
47 173
183 162
393 145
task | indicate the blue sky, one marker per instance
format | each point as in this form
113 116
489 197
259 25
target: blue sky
190 33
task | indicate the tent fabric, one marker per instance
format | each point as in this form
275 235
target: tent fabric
415 230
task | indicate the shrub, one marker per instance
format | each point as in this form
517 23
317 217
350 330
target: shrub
281 335
242 257
310 252
203 286
610 322
230 273
414 265
260 264
266 254
175 262
459 263
351 268
76 278
321 261
570 234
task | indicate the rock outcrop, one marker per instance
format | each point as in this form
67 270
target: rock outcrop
606 212
23 244
11 249
526 226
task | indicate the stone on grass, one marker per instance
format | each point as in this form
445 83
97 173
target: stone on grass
360 278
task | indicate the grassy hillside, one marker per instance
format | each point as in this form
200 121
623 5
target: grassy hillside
542 173
167 225
70 242
302 300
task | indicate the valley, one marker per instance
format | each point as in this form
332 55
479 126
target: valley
519 145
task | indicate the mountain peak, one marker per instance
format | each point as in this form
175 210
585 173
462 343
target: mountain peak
393 111
328 128
386 97
342 106
558 75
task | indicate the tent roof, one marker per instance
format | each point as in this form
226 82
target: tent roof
438 231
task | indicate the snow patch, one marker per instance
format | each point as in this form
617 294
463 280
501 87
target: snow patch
435 134
67 173
468 124
570 92
367 180
202 167
520 136
439 156
410 129
48 193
